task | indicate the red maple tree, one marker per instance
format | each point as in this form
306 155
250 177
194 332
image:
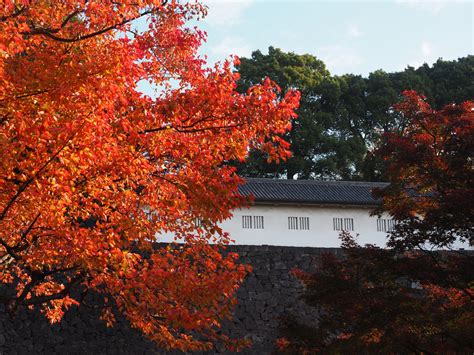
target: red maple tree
431 174
92 169
414 297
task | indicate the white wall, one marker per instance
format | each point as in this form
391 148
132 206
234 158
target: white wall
320 233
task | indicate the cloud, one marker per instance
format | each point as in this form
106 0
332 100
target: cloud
225 12
232 45
339 59
354 31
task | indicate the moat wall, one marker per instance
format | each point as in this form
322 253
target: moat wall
267 294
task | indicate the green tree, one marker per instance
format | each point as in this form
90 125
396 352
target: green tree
451 81
321 146
342 118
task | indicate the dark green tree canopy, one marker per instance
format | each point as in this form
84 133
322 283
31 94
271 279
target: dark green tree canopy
342 118
320 147
288 70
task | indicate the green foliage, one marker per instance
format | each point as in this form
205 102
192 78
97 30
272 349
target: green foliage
342 118
288 70
320 148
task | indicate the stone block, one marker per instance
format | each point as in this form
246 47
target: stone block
263 295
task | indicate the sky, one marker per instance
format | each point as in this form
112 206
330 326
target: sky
356 37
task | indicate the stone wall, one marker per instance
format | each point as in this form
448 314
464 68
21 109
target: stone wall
271 291
268 293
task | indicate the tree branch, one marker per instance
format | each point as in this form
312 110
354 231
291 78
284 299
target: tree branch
33 178
28 230
18 12
65 291
51 32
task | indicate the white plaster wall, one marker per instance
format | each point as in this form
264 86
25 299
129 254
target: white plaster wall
320 233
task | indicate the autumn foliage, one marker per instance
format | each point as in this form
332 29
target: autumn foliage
431 173
92 169
382 301
413 298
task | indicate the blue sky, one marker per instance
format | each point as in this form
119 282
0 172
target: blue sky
349 36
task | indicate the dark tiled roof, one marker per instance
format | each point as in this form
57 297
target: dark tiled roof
311 191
